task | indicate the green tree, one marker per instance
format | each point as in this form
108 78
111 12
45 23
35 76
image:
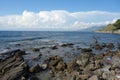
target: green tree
117 24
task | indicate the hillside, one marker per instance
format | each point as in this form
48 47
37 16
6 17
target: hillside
111 28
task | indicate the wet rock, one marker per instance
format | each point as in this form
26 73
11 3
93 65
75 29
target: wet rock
110 45
36 49
98 47
37 57
98 72
67 45
83 77
19 54
18 44
34 69
34 78
104 76
112 73
86 50
83 59
54 47
61 66
94 77
44 66
99 56
72 65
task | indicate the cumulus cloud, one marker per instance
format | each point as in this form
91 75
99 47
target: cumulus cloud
57 20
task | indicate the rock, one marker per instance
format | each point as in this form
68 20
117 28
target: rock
110 45
67 45
98 72
54 47
37 57
99 56
44 66
94 77
90 67
104 76
83 59
19 54
98 47
72 65
36 49
83 77
18 44
15 72
34 78
34 69
86 50
61 66
112 73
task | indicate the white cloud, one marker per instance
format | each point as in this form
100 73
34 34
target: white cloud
57 20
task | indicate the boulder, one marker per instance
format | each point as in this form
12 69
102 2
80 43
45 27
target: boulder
104 76
44 66
86 50
36 49
34 69
110 45
94 77
61 66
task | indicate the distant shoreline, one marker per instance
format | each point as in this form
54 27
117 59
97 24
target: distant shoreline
114 32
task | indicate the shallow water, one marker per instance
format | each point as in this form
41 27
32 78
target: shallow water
27 40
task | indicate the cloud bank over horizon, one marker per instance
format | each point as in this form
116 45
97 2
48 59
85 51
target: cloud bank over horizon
57 20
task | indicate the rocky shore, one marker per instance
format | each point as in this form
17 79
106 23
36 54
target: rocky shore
85 66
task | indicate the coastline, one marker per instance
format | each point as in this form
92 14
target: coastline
85 65
111 32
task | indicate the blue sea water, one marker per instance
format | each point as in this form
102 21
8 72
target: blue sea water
82 38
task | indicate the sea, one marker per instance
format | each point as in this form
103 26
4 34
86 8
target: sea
44 40
9 38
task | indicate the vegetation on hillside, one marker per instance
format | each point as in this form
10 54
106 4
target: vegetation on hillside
112 27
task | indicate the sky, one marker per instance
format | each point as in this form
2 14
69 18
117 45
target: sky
57 14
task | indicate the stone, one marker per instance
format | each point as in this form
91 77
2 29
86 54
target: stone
36 49
112 73
67 45
94 77
98 72
34 69
83 77
98 47
44 66
104 76
34 78
54 47
86 50
110 45
61 66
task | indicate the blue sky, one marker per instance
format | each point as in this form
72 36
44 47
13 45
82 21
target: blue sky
18 6
57 14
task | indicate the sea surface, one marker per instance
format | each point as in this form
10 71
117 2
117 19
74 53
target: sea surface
9 38
44 40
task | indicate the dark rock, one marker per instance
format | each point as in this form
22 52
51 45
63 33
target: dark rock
72 65
86 50
36 49
98 47
110 45
18 44
44 66
35 69
37 57
34 78
61 66
67 45
94 77
54 47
